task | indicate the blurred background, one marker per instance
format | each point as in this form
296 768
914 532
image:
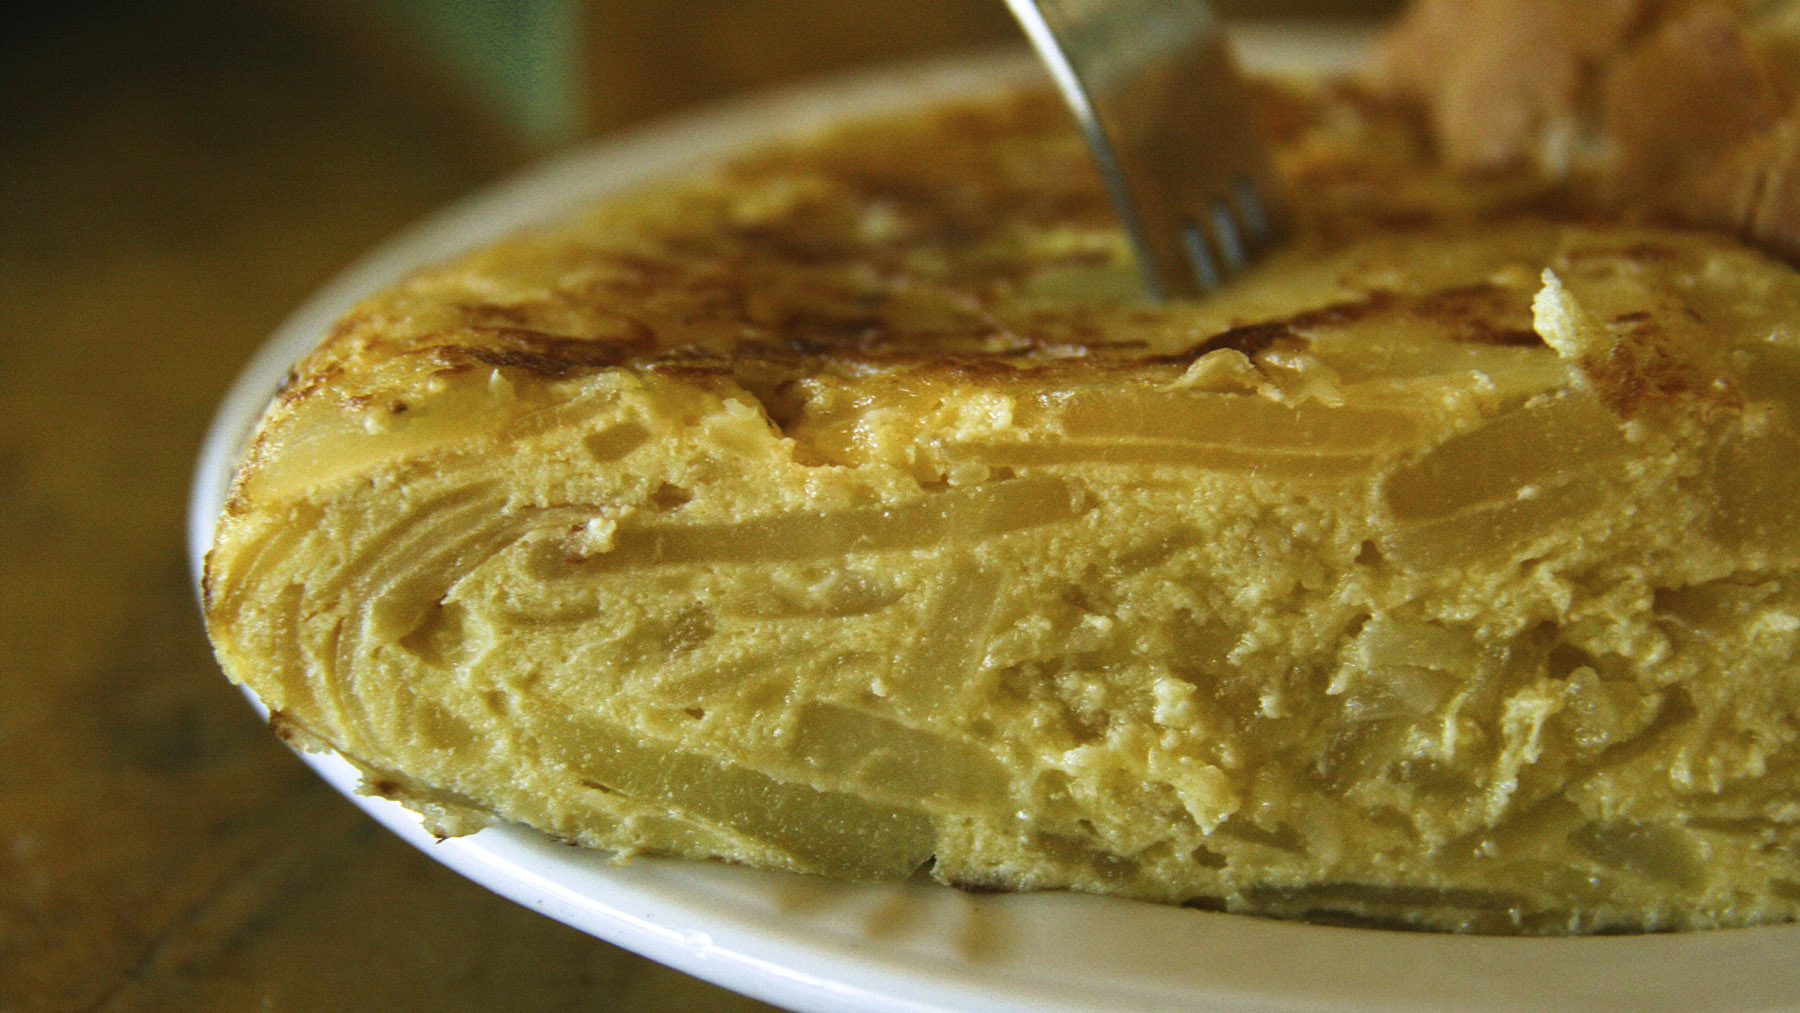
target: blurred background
175 175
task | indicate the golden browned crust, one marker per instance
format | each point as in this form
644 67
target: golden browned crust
801 282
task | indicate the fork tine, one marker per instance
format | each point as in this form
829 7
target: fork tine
1250 206
1225 234
1227 238
1200 256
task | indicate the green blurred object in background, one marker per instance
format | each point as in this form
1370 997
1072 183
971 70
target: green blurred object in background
519 58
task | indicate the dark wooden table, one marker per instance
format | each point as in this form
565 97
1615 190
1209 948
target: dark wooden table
174 177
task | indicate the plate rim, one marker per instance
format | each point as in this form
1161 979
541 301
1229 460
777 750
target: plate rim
731 926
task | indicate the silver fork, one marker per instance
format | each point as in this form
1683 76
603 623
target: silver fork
1156 92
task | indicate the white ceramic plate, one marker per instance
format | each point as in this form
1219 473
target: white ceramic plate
811 944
